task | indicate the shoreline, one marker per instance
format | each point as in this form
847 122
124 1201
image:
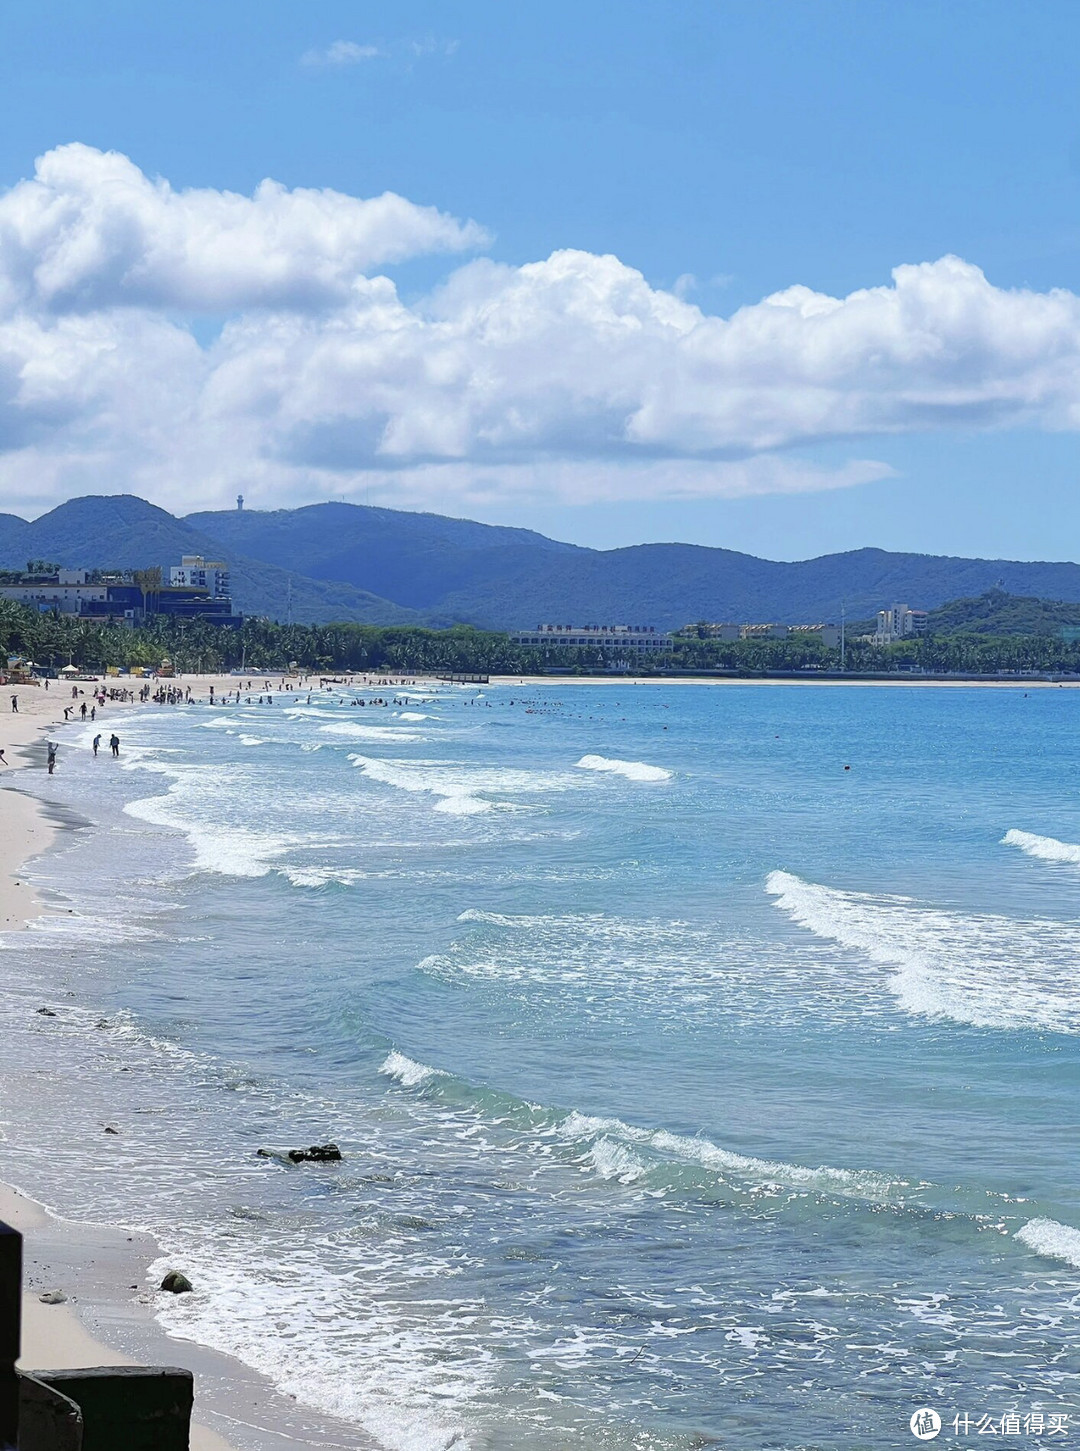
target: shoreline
108 1317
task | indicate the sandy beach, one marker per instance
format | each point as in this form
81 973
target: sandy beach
107 1317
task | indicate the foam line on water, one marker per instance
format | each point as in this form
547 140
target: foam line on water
460 788
354 731
620 1139
454 795
631 770
624 1152
983 970
1044 848
1056 1241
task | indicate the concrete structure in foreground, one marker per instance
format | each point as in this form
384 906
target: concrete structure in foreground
899 623
615 639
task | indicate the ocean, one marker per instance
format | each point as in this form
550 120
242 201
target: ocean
704 1059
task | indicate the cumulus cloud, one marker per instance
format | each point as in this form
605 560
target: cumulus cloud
568 378
90 231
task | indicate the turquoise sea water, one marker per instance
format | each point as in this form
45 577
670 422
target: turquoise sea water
693 1088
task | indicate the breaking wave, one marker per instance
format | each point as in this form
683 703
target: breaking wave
1045 848
632 770
1056 1241
625 1153
983 970
407 1071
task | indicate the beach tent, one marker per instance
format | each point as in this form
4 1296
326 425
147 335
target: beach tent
69 670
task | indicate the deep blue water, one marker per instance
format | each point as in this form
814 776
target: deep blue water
704 1058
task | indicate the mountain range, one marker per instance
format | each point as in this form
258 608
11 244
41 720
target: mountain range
338 561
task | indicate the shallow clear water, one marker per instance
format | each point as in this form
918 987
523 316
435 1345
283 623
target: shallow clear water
691 1086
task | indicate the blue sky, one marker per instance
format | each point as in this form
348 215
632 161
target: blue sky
725 151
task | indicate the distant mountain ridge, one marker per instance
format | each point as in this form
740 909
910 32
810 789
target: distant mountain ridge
389 566
120 530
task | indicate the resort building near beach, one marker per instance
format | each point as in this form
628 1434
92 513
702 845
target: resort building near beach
899 623
829 635
128 596
624 639
195 572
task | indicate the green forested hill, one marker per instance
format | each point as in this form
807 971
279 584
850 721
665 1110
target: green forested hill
385 566
999 613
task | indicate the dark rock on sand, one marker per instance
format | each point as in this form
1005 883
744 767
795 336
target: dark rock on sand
176 1283
53 1297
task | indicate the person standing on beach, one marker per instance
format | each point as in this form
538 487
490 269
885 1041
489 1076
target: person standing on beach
51 747
15 704
97 742
114 742
3 758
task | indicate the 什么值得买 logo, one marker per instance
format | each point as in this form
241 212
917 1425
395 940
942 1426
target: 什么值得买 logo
925 1424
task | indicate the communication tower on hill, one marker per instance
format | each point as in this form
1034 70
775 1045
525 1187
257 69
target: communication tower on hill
239 503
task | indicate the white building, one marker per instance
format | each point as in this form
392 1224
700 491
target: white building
195 572
624 639
768 631
67 596
899 623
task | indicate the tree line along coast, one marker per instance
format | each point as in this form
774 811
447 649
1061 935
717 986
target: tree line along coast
968 644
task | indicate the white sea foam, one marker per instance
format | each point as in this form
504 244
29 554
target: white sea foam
404 1372
612 1160
229 851
613 1133
354 731
981 969
407 1071
455 797
414 715
192 806
461 789
616 1150
252 741
1056 1241
1045 848
326 876
632 770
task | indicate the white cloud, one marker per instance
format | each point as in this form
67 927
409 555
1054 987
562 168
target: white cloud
341 53
569 378
350 52
90 231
